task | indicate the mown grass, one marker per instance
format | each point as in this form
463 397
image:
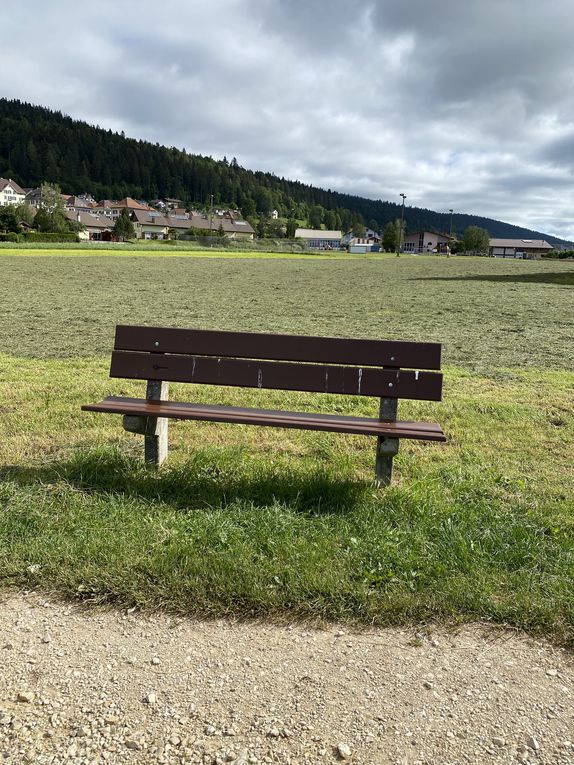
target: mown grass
171 248
67 306
265 522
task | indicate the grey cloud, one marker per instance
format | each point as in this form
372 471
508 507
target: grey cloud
560 152
458 104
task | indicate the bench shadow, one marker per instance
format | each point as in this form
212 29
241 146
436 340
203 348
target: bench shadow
198 484
562 279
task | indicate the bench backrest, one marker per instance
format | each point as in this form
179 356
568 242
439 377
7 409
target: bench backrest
283 362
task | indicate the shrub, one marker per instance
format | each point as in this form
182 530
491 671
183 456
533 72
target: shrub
43 236
558 254
9 237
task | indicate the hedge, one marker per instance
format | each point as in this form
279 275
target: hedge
41 236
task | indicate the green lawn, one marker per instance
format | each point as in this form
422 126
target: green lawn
258 521
488 313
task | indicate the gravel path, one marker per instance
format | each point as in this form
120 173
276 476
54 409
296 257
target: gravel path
102 687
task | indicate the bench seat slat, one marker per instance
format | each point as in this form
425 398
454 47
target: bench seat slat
278 375
257 345
284 419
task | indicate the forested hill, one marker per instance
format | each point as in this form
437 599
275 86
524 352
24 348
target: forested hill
37 145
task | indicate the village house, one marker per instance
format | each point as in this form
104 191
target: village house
94 228
10 192
426 241
370 242
34 197
529 249
151 224
225 221
79 204
113 208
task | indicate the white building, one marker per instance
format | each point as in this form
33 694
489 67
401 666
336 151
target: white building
317 239
10 193
425 241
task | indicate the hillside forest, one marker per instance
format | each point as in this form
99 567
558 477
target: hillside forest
40 145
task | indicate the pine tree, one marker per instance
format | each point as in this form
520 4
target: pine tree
123 227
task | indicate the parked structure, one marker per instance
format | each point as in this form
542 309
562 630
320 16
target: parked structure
316 239
10 192
518 248
356 248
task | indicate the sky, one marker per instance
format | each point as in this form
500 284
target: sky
462 104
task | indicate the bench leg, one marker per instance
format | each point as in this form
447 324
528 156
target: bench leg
156 439
154 429
387 448
156 446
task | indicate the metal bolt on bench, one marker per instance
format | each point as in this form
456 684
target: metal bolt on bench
347 366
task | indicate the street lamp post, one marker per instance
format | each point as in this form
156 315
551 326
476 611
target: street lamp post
211 221
450 236
404 196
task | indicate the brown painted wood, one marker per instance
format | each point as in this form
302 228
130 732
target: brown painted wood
358 381
283 419
253 345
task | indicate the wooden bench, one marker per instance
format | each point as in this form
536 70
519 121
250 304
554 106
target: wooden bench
281 362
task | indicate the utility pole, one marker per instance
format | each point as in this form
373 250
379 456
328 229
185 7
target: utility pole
450 235
211 221
404 196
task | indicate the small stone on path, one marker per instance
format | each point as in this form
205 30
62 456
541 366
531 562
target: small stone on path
533 743
27 697
344 751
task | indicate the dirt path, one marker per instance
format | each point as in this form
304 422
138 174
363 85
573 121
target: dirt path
107 687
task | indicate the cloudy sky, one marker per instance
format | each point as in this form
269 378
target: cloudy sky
466 104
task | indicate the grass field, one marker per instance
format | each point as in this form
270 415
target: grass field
257 521
488 314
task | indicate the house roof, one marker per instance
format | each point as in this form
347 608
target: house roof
446 237
72 201
186 221
132 204
150 217
228 224
523 244
9 182
317 233
88 220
